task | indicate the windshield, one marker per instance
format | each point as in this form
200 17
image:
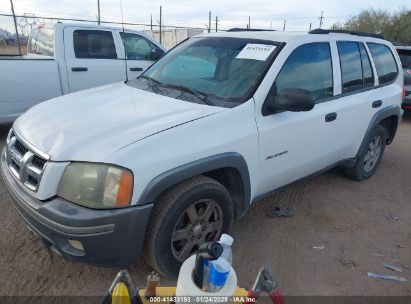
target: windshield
219 68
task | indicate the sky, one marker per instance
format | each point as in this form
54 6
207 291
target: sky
264 14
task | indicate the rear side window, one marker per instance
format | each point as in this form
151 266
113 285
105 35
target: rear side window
384 62
350 61
41 42
368 75
405 57
94 44
309 67
356 71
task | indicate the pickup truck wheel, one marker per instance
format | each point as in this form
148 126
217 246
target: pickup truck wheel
193 212
369 159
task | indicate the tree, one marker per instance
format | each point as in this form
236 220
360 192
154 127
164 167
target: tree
395 26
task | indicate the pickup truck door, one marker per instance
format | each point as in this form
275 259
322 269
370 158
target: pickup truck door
141 52
91 58
293 145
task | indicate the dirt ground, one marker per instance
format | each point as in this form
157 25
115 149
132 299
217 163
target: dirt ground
12 50
349 218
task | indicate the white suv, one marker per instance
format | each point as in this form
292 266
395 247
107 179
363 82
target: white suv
159 164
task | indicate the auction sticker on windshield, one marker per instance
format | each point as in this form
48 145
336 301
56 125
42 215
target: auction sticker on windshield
256 51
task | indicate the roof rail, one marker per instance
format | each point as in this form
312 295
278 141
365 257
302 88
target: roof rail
238 29
362 34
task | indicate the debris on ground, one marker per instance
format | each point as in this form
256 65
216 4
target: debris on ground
400 246
392 267
378 254
348 263
282 212
319 247
342 226
392 217
386 277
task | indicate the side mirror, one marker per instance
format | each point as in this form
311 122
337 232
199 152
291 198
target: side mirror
294 100
156 54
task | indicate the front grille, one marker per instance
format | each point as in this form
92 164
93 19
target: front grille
24 163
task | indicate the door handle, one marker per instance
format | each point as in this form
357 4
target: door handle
136 69
79 69
377 104
330 117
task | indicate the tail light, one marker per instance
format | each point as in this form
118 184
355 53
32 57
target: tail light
403 88
408 72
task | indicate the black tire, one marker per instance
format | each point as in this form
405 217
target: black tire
361 169
171 209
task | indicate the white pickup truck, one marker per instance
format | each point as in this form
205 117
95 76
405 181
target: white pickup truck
64 58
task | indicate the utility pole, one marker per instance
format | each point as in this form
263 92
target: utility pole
151 23
161 17
98 12
310 27
209 21
321 19
15 27
285 22
249 22
216 23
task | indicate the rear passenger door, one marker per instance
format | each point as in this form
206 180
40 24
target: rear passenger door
91 58
360 93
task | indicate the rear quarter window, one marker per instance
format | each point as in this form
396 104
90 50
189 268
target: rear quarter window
385 63
41 42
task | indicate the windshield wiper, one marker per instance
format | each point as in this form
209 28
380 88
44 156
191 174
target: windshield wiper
150 83
199 95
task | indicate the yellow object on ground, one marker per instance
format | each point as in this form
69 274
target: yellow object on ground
120 294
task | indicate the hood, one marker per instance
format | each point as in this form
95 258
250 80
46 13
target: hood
91 125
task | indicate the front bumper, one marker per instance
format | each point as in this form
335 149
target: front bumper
109 237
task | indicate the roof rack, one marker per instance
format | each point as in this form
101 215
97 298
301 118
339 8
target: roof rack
362 34
238 29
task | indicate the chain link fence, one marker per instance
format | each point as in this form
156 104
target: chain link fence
12 44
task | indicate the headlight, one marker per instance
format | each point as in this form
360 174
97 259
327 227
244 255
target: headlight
97 186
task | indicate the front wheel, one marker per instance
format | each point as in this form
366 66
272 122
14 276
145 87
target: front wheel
369 159
193 212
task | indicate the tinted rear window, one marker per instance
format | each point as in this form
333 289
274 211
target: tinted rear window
405 56
368 75
384 62
350 60
94 44
41 42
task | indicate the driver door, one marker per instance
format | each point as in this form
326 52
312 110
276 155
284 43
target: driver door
141 53
296 144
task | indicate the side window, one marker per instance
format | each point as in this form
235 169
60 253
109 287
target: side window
308 67
367 73
41 42
94 44
387 69
138 47
350 62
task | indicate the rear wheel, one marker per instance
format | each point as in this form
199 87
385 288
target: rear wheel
193 212
369 159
